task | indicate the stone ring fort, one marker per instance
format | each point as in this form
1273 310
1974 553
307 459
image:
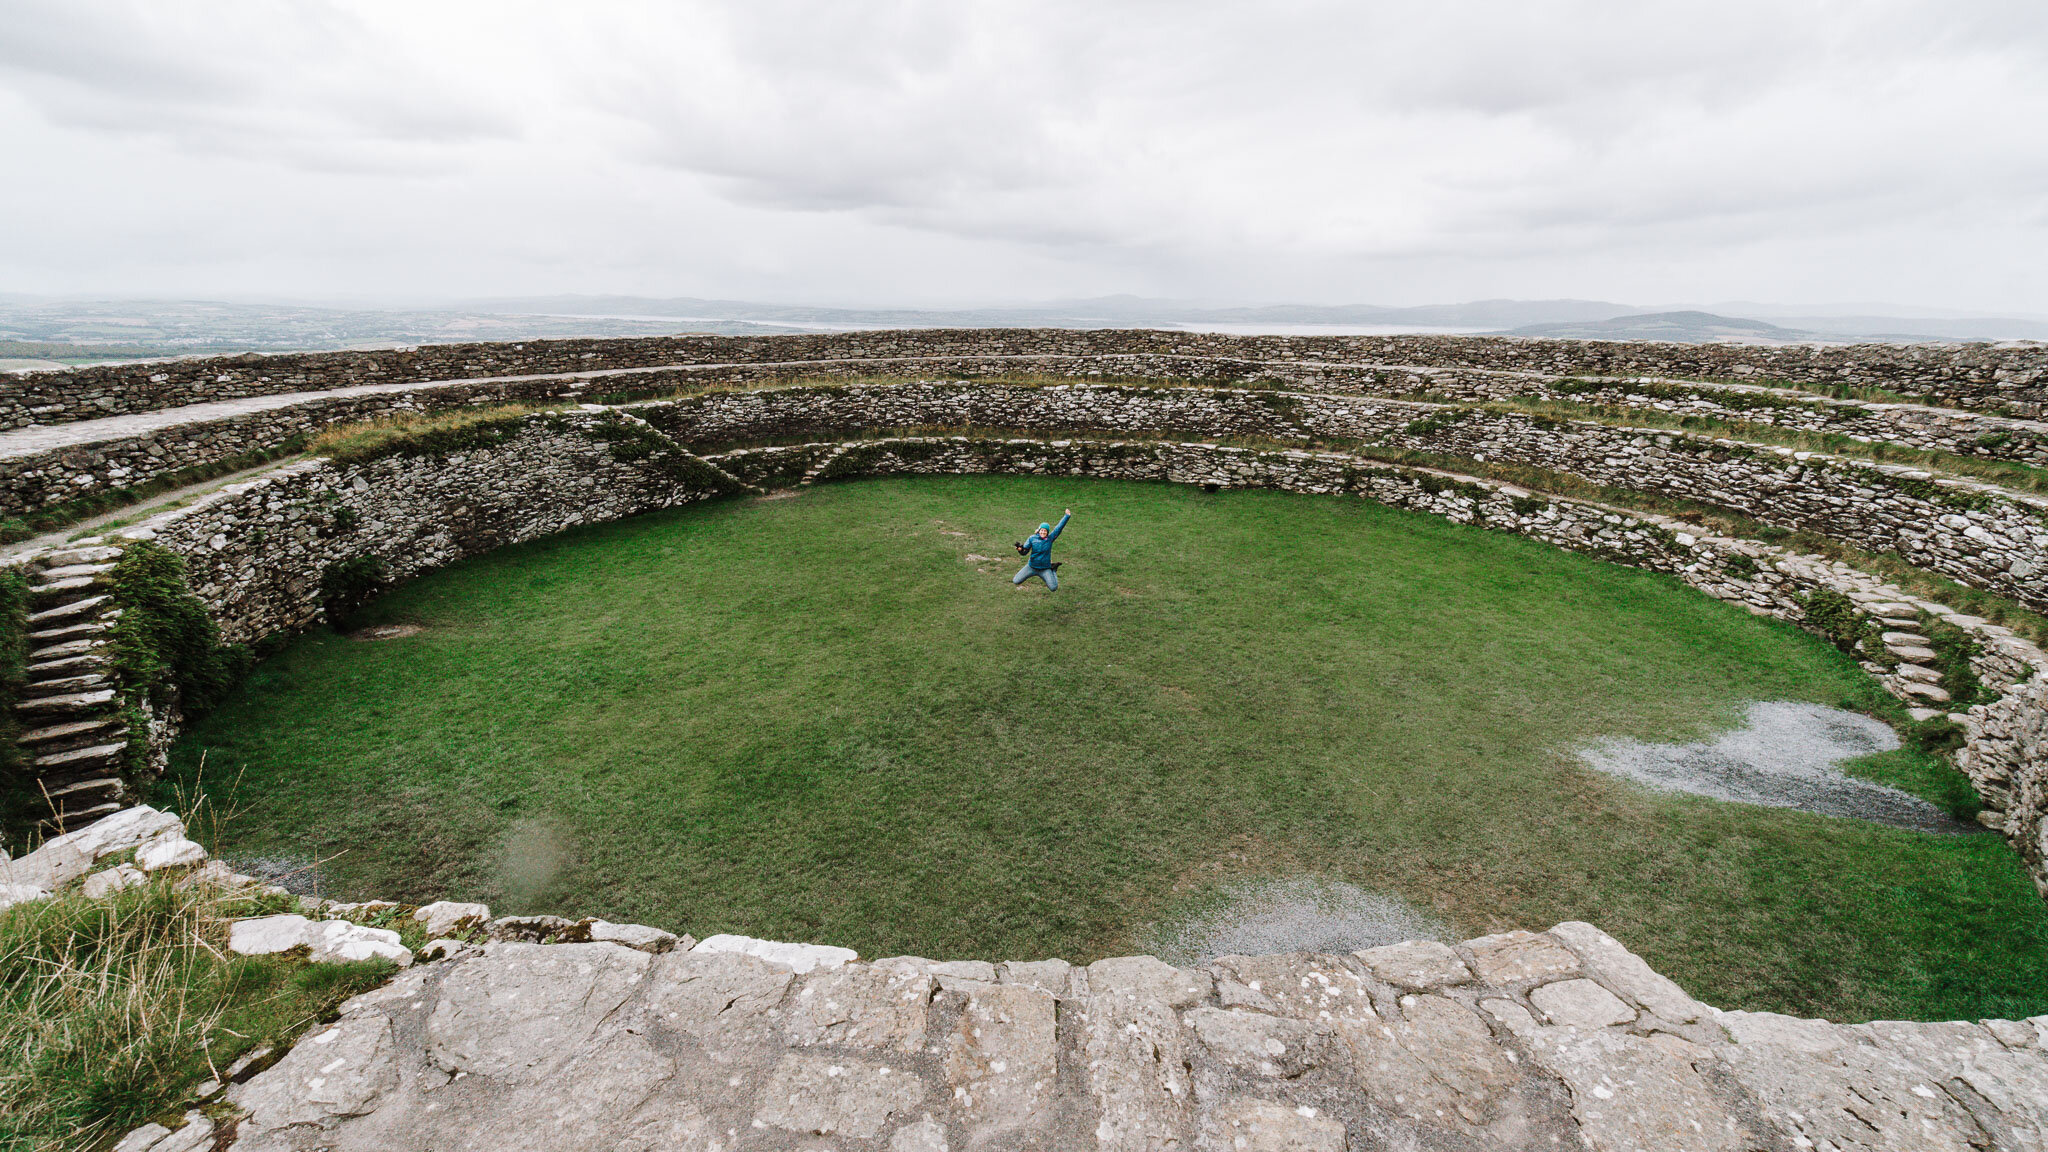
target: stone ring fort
547 1032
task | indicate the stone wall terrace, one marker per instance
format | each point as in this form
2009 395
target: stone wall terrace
1959 375
255 552
49 465
1980 536
33 479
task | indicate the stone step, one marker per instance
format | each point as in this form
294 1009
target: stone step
63 664
76 704
86 791
72 821
1924 691
1912 653
63 685
76 631
69 556
65 651
91 756
69 571
61 589
1920 672
89 606
1906 638
86 730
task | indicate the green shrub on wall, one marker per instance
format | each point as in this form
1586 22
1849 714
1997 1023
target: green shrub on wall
1953 648
167 649
634 442
18 798
1844 625
13 659
347 585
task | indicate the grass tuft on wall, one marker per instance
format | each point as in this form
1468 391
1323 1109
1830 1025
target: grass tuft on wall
112 1010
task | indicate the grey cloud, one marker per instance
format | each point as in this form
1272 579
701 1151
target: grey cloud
308 84
1195 146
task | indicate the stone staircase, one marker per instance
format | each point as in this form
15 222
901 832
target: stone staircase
1914 677
73 731
812 473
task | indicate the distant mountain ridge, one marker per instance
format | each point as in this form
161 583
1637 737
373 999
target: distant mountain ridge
1679 327
44 332
1093 312
1563 318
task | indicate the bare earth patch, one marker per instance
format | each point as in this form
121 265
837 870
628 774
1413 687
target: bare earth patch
1785 756
1303 913
386 632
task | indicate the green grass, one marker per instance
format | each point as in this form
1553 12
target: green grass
113 1010
813 719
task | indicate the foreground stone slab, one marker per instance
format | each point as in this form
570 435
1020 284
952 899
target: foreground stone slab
69 857
447 917
1559 1040
323 940
795 957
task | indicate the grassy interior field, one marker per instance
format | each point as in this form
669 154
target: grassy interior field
815 718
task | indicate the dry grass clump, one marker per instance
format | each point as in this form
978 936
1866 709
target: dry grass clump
113 1010
368 438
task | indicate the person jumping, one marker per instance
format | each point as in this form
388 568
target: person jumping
1038 555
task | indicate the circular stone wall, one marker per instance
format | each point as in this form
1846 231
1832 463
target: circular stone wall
833 718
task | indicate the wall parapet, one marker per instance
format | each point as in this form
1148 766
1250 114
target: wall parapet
1960 375
1517 1040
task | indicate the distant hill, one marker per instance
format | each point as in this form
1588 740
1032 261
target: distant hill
39 332
1678 327
1092 312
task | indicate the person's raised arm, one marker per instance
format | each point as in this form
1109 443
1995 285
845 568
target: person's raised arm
1059 527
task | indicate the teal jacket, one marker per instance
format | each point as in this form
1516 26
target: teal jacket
1041 550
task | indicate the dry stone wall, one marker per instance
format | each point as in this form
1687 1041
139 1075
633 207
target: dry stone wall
1960 375
1512 1041
41 467
256 552
1970 532
32 479
1560 1040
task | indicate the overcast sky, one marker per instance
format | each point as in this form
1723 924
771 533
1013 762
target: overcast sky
953 152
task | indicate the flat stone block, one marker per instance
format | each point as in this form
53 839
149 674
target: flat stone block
1417 964
1515 956
1580 1004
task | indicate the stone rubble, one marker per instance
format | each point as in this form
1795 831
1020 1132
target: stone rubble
1522 1040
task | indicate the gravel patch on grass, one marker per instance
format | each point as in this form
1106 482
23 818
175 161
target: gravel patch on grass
1288 914
1785 756
298 875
